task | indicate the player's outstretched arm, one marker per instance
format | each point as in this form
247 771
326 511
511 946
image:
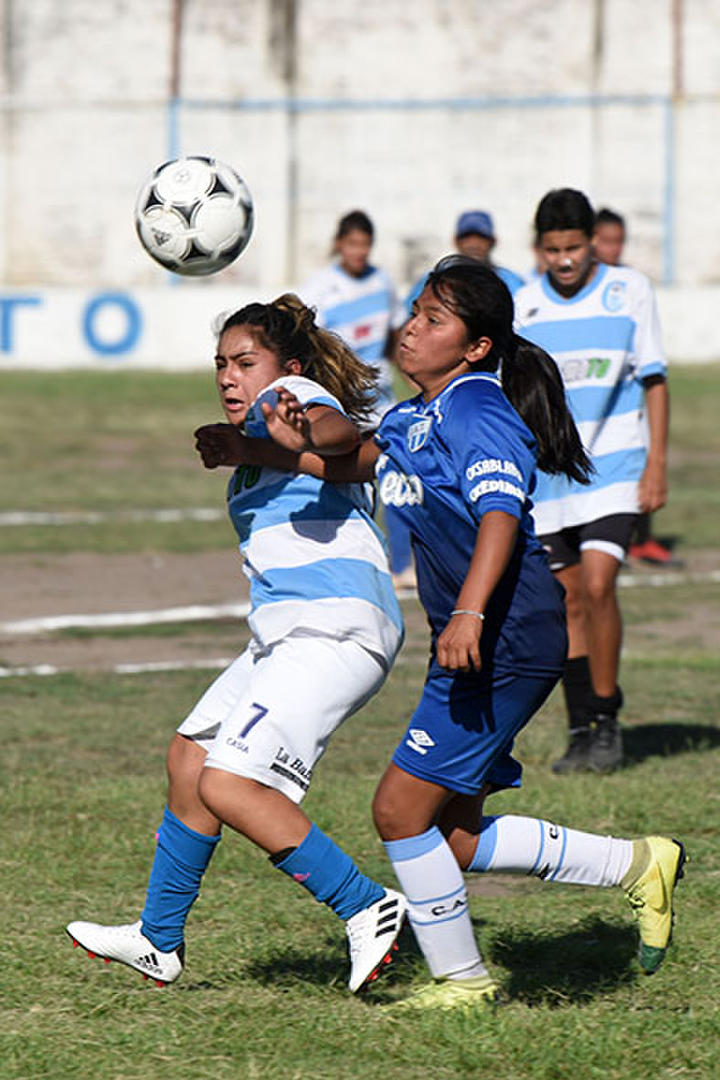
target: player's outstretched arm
315 427
223 444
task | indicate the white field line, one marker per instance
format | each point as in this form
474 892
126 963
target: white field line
210 664
115 619
201 612
223 611
97 517
670 577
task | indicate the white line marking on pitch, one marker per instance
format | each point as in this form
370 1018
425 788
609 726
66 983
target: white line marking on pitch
115 619
671 577
211 664
200 612
97 517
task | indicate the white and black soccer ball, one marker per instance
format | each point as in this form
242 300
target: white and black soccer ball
194 215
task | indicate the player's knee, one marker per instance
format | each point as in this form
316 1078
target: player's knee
394 817
382 815
574 606
185 759
600 590
388 814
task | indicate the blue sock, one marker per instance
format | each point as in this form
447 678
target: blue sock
330 875
181 858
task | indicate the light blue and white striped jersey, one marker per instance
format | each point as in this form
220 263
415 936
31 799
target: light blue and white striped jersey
363 311
315 560
605 341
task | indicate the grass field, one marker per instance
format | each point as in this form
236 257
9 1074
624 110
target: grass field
263 995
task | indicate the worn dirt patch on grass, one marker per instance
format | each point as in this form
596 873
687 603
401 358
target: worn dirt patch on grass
32 586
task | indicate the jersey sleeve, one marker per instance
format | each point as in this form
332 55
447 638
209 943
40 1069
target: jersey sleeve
305 390
493 462
647 340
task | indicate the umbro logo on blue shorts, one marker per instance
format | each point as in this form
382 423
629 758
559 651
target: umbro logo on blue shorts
419 740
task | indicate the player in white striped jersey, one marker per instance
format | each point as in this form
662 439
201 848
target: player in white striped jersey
600 324
326 627
609 241
358 301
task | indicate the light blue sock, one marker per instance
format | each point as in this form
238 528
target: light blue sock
330 875
181 858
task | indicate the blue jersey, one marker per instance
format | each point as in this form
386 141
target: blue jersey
443 465
605 341
315 560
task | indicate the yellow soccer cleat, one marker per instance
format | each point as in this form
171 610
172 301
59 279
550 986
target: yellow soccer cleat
656 867
446 994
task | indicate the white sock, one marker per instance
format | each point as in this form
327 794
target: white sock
437 904
520 845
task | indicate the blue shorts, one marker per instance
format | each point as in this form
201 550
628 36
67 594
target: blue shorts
461 734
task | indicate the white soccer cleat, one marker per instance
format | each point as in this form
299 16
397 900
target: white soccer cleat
128 945
372 937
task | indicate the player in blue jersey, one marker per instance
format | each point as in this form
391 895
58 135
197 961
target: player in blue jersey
601 326
458 461
326 627
474 237
358 301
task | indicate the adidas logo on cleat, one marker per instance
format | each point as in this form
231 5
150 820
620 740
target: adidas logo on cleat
127 944
372 935
148 963
387 921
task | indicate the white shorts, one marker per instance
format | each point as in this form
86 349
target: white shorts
270 714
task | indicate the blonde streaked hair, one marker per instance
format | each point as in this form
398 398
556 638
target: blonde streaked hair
288 328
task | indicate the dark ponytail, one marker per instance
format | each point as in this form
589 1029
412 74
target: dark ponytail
532 383
529 376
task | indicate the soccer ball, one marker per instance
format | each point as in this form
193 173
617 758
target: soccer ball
194 215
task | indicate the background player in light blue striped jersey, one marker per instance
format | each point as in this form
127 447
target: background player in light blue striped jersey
326 627
358 301
459 463
609 240
600 324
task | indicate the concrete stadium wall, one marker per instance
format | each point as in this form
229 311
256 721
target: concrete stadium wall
157 327
412 112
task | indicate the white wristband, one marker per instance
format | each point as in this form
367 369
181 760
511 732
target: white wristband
466 611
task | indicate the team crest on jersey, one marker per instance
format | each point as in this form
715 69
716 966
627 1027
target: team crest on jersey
418 433
613 296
